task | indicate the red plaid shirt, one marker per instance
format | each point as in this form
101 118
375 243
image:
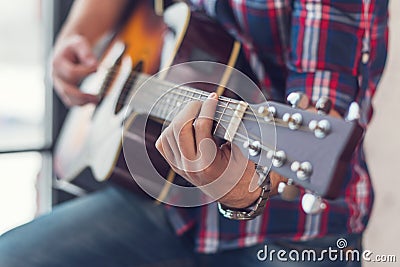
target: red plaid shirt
334 48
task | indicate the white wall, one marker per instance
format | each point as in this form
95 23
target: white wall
382 148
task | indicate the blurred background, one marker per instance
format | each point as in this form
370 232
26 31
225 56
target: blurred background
31 116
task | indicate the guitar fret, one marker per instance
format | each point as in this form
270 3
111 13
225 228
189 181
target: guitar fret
168 100
199 97
160 108
191 97
165 108
163 102
188 96
175 100
180 101
220 117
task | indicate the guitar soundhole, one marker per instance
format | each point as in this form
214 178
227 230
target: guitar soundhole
128 86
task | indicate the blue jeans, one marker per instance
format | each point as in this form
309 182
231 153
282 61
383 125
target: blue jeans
117 228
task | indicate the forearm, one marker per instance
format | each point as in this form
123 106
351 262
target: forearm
92 18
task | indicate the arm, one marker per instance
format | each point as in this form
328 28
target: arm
84 19
73 57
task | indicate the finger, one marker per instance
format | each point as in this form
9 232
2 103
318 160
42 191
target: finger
74 60
173 146
71 95
204 123
69 71
186 141
166 151
182 126
84 51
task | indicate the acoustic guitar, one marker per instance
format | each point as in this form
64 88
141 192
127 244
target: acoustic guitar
312 150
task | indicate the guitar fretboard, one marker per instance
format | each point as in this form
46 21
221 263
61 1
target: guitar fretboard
163 100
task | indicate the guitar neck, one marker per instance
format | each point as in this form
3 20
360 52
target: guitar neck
163 100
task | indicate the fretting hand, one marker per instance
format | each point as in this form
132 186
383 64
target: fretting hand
188 146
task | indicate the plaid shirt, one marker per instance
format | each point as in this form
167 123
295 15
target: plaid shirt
334 48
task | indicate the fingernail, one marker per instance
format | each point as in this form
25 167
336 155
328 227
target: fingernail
212 96
157 144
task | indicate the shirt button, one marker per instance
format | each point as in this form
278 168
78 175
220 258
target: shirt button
365 57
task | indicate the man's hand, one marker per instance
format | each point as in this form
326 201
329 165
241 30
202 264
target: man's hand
72 61
188 146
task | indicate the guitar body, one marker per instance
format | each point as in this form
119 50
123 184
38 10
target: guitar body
92 136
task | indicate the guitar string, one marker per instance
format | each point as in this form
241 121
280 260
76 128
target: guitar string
171 86
245 139
223 113
245 136
254 137
276 121
218 105
229 101
262 120
113 70
200 93
220 118
109 72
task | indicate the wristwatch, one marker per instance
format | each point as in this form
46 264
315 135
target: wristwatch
258 207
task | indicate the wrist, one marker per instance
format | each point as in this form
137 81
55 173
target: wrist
246 202
254 210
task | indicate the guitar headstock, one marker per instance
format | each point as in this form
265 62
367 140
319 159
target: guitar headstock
311 149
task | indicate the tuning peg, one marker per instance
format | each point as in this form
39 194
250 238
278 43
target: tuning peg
298 100
268 113
323 105
312 204
289 191
253 147
354 112
278 158
303 170
320 128
294 121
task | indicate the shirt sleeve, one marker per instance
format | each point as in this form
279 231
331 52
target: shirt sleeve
326 49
